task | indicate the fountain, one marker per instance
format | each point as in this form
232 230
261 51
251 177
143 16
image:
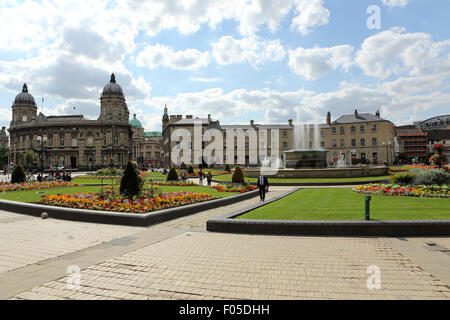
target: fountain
308 159
307 152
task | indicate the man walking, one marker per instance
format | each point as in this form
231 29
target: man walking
263 185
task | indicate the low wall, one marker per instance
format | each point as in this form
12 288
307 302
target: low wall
119 218
348 172
388 228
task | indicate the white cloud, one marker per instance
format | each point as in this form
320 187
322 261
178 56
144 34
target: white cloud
253 50
310 14
392 52
161 55
396 3
312 63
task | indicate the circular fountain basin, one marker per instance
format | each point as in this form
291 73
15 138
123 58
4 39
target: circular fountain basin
305 158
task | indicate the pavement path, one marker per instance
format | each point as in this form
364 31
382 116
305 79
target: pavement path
178 259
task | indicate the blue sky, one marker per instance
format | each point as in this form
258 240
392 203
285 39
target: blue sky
261 60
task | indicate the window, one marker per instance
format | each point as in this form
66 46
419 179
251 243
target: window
333 130
105 160
362 129
116 109
74 142
342 130
353 129
310 144
342 143
322 144
90 141
50 142
374 141
284 134
363 142
374 128
334 144
104 141
285 145
61 141
353 142
116 141
321 132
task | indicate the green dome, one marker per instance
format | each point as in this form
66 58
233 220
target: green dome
135 123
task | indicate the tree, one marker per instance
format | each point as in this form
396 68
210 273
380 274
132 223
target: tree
238 176
18 174
172 175
227 168
30 158
183 166
3 156
190 170
131 182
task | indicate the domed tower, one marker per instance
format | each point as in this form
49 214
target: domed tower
24 108
112 101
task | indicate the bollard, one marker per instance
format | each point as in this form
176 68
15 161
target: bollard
367 206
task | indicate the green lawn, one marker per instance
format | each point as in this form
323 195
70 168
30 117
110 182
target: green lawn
34 195
343 204
362 179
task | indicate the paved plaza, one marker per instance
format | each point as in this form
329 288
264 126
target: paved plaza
179 259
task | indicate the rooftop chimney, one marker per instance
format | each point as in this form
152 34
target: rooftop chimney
209 118
377 113
328 121
252 122
356 113
290 122
189 116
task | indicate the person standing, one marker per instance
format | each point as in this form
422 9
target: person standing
263 186
200 177
209 178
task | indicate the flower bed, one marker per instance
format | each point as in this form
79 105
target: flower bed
97 201
86 176
175 183
35 185
433 191
240 189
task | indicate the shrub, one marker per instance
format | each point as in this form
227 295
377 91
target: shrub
131 182
18 174
191 170
403 178
430 176
227 168
109 172
238 176
183 166
172 175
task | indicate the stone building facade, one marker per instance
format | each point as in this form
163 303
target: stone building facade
73 141
357 138
146 145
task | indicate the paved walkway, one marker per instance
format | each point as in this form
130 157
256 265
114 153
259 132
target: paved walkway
179 260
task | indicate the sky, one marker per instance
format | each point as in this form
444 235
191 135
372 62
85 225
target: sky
238 60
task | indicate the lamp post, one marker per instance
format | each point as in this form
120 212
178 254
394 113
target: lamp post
42 140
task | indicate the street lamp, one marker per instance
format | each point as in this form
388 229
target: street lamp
42 141
388 145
